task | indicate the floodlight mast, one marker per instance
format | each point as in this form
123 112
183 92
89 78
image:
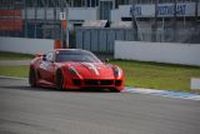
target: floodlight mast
175 20
64 24
196 10
155 25
134 21
61 27
67 22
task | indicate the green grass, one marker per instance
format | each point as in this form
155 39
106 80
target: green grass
158 76
138 74
14 56
18 71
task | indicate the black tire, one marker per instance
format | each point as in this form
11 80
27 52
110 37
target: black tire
32 77
59 80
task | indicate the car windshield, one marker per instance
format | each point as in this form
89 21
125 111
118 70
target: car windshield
76 56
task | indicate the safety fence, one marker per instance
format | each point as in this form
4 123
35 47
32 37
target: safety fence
101 40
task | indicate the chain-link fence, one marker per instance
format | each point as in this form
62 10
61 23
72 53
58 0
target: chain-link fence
101 40
182 35
32 18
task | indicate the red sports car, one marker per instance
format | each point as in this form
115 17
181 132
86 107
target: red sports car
74 69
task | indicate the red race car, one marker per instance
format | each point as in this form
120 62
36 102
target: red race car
74 69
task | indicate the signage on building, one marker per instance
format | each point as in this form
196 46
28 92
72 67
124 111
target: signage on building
136 10
62 16
163 10
182 9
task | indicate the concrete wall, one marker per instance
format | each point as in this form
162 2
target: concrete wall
188 54
24 45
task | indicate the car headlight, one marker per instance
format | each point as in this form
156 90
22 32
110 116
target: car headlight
117 71
73 71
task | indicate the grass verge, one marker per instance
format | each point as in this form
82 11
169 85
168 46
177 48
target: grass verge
158 76
14 56
138 74
18 71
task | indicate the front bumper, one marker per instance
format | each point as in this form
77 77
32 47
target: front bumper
117 84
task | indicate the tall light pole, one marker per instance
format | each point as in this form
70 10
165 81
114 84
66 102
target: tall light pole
64 22
174 20
35 18
67 29
62 18
25 18
155 25
196 17
196 9
134 23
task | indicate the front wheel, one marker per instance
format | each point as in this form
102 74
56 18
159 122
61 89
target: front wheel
32 77
59 80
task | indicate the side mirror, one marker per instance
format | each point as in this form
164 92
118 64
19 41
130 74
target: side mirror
107 60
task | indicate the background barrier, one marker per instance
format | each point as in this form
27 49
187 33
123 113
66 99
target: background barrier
176 53
25 45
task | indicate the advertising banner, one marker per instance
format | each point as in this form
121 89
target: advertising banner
163 10
182 9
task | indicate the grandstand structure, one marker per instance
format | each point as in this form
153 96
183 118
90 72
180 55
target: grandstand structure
34 17
55 19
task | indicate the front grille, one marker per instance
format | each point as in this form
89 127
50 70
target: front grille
106 82
90 82
77 82
118 82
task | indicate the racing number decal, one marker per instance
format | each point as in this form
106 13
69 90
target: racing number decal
44 65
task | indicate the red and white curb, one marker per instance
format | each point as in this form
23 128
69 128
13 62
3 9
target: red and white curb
163 93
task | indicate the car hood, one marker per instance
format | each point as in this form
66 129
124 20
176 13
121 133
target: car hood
93 70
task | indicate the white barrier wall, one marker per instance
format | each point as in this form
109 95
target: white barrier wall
195 84
25 45
176 53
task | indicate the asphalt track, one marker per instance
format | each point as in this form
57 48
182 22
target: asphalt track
25 110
